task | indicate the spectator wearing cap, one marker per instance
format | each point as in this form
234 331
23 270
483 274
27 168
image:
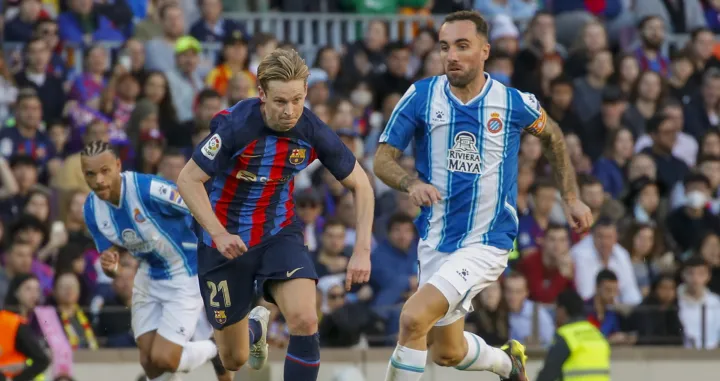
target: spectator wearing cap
309 206
206 104
601 250
84 24
318 85
394 79
160 51
670 170
685 147
20 27
594 132
650 54
588 90
701 114
680 16
234 62
26 138
212 27
688 223
699 307
184 81
36 75
504 34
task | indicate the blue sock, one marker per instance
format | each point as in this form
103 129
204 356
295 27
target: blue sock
255 331
302 362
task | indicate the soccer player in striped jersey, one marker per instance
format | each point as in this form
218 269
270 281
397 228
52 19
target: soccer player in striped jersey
146 216
467 131
251 232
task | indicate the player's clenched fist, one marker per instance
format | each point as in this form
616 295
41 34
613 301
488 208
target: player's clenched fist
109 261
423 194
229 245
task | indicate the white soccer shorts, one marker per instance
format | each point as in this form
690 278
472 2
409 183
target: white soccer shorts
460 275
173 307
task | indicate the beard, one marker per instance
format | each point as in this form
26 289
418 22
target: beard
462 79
651 43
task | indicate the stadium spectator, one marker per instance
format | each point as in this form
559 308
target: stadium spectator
710 167
184 81
558 104
20 27
83 23
88 86
212 27
688 223
132 56
394 79
113 321
599 251
682 84
588 90
680 16
539 41
265 43
234 62
603 311
504 37
685 147
649 54
699 307
66 295
610 168
36 75
171 163
594 196
656 320
330 257
670 169
645 245
523 312
395 263
612 108
344 324
23 295
549 270
531 228
318 84
702 113
160 50
372 46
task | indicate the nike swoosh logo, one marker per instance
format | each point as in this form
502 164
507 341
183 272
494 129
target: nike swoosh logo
290 273
250 156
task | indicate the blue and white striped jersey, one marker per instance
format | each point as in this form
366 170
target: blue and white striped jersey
469 152
151 223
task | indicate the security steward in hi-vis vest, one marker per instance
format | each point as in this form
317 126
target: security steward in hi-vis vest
579 352
21 356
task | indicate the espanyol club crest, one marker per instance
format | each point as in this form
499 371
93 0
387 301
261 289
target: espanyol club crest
494 125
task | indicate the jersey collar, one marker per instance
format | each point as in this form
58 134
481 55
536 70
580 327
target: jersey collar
478 98
122 192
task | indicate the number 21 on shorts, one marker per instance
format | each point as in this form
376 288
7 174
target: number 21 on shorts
222 288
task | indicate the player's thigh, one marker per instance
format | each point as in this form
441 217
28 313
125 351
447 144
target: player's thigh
227 286
463 275
145 310
296 299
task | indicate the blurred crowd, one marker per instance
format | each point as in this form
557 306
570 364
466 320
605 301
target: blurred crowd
640 114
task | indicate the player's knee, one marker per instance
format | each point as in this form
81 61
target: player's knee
164 360
413 322
447 356
233 360
303 323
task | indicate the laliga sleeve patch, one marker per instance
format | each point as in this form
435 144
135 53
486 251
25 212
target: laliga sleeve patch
212 147
167 194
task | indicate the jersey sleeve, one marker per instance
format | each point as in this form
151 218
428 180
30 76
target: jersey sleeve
530 114
401 126
214 153
101 243
332 152
164 198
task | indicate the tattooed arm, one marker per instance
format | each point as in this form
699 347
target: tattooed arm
388 170
553 143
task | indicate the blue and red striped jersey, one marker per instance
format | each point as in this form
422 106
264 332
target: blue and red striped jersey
252 168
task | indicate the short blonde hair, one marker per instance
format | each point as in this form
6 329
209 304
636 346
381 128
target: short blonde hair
282 65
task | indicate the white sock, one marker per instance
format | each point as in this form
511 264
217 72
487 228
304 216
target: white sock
196 353
481 356
406 364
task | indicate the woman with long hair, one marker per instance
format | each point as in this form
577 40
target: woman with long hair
646 98
627 70
156 89
591 39
645 244
610 168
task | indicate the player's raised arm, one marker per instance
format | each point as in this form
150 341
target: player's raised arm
396 137
555 150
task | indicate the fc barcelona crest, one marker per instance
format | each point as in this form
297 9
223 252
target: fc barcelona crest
220 316
297 156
